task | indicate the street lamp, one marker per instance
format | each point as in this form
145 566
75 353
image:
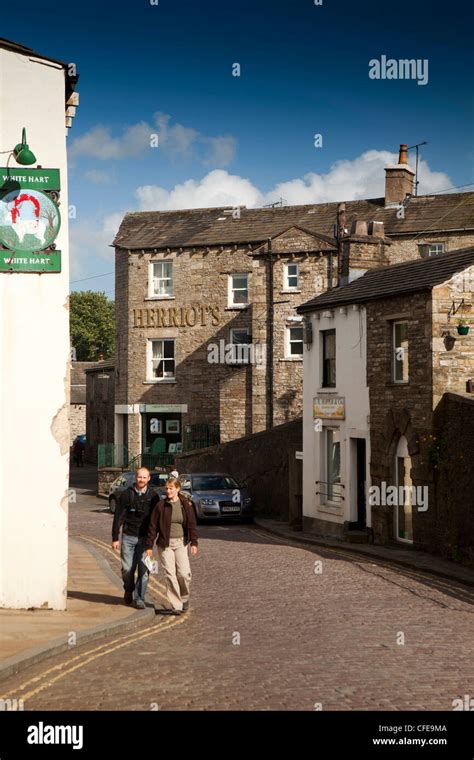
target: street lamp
22 153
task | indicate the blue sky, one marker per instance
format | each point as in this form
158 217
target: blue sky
166 69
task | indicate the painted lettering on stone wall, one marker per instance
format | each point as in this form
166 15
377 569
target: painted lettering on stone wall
184 316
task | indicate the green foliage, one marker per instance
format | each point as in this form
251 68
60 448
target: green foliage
92 325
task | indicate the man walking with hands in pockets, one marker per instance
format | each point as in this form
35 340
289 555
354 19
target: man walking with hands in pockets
173 526
132 514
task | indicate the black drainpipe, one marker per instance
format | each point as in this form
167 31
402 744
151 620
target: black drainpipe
270 337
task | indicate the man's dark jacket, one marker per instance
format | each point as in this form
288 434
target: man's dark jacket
160 523
133 512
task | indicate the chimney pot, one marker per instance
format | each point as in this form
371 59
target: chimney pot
359 227
376 229
402 156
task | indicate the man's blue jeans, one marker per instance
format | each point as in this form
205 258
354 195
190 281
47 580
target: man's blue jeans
131 552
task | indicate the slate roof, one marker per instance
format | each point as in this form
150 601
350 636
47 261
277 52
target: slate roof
211 226
410 277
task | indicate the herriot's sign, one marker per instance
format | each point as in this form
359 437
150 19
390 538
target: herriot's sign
184 316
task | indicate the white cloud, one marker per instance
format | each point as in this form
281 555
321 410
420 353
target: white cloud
90 249
362 177
218 188
174 140
98 177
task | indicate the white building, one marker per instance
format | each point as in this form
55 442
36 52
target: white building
336 442
36 94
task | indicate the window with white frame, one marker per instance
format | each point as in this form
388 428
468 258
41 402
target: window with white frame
333 464
238 289
434 249
161 279
400 352
161 359
292 277
240 341
294 342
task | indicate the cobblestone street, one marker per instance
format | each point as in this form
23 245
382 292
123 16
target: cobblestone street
269 628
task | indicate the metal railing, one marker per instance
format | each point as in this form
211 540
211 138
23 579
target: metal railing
112 455
332 491
152 461
200 436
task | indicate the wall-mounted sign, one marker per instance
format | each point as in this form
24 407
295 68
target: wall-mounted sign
34 262
185 316
180 408
329 408
29 220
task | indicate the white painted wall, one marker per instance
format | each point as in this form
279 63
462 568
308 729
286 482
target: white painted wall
34 363
351 356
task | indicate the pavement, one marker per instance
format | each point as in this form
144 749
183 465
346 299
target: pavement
94 608
391 553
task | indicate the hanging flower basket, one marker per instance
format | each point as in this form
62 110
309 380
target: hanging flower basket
463 329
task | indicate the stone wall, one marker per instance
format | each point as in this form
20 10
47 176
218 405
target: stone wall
452 368
400 410
454 478
262 462
100 417
77 420
407 248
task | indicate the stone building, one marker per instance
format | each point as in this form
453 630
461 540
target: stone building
386 377
77 403
209 342
100 421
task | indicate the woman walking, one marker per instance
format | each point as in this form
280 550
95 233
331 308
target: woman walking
173 526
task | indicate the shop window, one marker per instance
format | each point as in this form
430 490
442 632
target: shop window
333 464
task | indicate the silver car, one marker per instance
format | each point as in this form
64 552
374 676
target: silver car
127 479
217 496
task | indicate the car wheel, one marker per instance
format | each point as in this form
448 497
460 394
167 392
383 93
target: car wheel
112 504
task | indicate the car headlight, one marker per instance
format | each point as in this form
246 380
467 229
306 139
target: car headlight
207 502
247 500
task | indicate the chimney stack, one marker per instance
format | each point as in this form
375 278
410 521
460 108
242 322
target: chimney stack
398 180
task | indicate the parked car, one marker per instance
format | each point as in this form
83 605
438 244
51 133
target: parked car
216 496
126 479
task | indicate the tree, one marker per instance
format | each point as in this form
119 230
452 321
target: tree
92 325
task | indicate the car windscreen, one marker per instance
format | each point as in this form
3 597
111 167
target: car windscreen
158 479
213 483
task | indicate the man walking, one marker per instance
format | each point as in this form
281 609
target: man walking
133 514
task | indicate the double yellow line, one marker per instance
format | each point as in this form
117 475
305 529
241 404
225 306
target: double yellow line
155 585
47 678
